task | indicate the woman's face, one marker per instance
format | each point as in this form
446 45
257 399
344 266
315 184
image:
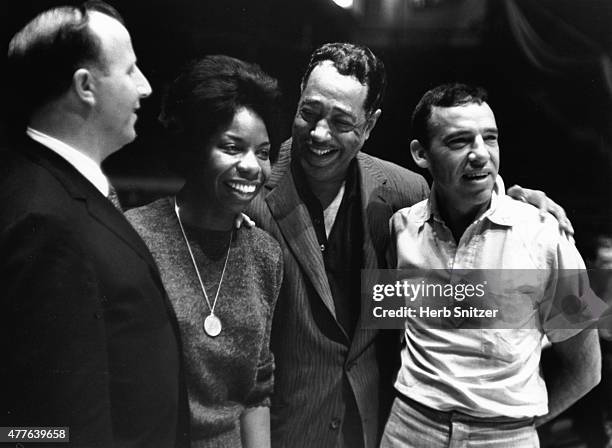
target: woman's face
238 162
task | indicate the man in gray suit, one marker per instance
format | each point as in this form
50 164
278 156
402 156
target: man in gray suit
329 205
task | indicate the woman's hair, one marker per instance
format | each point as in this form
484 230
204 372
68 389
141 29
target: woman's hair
203 99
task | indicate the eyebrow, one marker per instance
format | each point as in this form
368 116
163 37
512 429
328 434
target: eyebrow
464 133
241 140
313 102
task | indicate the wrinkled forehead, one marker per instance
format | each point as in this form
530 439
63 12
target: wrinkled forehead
470 117
328 86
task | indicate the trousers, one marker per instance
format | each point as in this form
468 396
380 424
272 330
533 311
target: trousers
412 425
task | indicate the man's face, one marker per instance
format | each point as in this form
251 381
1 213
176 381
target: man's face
119 83
330 124
463 154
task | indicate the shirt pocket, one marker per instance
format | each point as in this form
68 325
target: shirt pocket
509 347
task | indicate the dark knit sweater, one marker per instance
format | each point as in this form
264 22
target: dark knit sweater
234 370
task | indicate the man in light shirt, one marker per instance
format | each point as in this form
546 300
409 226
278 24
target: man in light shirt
88 339
482 386
328 204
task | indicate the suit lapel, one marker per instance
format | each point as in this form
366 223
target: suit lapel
376 211
80 189
106 214
293 219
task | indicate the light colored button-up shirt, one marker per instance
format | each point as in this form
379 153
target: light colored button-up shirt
83 164
485 372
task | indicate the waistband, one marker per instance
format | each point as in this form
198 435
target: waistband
456 416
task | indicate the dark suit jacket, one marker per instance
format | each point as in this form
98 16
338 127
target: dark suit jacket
87 337
315 359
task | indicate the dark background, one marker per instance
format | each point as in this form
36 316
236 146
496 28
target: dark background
545 63
547 74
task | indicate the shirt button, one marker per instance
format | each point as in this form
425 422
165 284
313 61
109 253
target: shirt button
322 247
334 424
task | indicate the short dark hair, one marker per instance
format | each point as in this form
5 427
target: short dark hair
43 55
445 95
204 98
353 60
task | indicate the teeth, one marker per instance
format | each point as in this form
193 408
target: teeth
320 152
242 188
475 175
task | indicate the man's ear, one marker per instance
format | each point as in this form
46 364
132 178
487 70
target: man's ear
371 123
84 86
419 154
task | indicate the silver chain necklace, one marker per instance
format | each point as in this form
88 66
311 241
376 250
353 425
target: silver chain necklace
212 324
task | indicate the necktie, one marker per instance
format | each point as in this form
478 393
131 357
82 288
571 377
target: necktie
114 198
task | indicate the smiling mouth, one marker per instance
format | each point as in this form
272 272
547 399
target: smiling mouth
321 151
476 176
243 188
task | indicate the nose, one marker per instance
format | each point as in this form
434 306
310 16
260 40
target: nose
321 131
144 88
248 166
479 154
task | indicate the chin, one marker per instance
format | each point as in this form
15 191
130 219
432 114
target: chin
131 136
126 140
482 200
236 207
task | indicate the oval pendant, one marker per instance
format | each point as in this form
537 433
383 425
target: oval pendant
212 325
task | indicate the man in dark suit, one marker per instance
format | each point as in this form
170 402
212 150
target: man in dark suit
87 338
329 206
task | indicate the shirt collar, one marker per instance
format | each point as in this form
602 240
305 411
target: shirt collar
351 182
81 162
496 213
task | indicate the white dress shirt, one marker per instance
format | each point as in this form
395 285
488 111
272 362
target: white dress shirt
82 163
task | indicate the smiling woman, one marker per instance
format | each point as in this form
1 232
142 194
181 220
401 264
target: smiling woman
237 163
222 282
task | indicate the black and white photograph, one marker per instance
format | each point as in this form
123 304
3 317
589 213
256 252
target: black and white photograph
306 223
